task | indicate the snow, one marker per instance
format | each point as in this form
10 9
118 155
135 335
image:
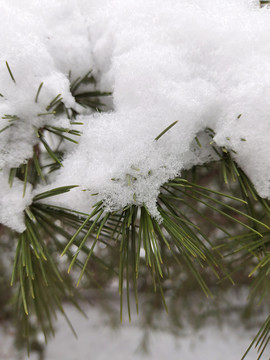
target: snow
28 43
211 342
13 202
202 63
99 339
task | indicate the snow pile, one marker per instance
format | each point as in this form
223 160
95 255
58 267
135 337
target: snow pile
202 63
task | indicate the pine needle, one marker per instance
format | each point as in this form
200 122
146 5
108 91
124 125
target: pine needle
165 130
10 72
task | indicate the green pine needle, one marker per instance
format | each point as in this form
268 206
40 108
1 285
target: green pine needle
165 130
38 91
10 72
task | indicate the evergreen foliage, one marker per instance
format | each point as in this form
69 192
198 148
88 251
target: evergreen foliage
59 247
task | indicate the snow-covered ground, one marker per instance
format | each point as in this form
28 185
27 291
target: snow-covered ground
99 340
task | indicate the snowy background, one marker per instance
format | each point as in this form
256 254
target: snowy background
98 339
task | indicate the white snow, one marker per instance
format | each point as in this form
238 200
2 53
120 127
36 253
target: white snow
13 202
99 339
40 44
199 62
